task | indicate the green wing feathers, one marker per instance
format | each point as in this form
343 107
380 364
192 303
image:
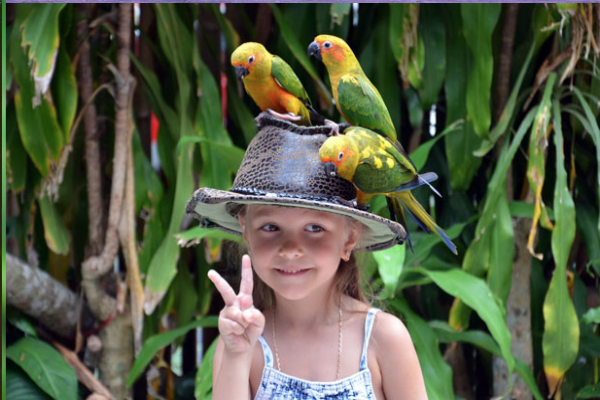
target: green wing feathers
362 105
287 79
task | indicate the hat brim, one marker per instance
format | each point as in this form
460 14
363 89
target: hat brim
210 206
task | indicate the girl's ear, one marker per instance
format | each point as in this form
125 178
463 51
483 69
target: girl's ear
353 238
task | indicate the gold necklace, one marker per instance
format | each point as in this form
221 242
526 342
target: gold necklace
340 342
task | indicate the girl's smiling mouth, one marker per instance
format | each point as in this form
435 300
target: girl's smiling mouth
291 272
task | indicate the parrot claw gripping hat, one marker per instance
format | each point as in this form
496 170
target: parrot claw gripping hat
282 167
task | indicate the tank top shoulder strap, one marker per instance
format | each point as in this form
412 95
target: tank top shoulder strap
368 328
266 352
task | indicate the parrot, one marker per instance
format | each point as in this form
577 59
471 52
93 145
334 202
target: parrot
375 165
356 98
272 83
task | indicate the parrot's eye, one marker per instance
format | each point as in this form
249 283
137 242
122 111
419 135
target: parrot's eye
327 45
340 156
250 59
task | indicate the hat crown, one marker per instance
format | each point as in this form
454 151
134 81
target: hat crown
286 163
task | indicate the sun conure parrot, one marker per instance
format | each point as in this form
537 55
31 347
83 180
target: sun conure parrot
375 165
271 83
356 98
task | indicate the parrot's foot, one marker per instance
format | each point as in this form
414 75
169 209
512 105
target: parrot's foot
335 128
290 117
347 203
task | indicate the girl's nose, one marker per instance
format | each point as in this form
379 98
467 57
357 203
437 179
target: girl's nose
290 249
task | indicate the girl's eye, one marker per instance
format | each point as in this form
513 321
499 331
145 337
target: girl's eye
251 59
314 228
269 228
327 45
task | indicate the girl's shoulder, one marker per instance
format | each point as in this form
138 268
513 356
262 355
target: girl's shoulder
390 333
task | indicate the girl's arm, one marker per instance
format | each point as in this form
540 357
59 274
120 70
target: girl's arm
401 373
240 326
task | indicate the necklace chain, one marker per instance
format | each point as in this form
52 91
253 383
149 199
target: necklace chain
340 343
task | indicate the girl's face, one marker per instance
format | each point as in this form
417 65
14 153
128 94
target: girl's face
296 251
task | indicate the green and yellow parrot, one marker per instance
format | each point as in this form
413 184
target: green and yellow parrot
271 83
376 165
356 98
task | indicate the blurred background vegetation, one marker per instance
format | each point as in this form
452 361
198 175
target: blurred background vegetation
116 113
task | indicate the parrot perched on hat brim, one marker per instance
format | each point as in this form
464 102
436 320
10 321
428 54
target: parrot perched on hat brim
375 165
356 98
272 83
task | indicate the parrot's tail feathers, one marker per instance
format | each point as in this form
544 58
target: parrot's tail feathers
426 182
419 180
425 220
397 214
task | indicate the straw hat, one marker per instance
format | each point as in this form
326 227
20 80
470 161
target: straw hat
282 167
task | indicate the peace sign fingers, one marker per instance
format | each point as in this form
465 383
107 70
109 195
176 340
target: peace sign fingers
227 293
247 284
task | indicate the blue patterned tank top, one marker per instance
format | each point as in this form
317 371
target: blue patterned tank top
277 385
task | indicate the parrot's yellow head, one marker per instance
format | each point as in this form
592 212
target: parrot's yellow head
340 156
334 52
250 59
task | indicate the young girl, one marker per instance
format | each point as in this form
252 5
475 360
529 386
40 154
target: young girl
312 336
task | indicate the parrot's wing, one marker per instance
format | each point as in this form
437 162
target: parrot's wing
287 79
362 105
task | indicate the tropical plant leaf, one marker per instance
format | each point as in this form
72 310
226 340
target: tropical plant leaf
478 257
20 387
432 30
204 375
40 35
436 372
421 154
536 169
594 132
45 366
194 235
479 21
390 263
475 293
16 158
56 234
64 93
157 342
40 132
560 342
459 147
299 51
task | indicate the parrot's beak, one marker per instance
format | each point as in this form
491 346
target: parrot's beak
315 50
241 72
330 169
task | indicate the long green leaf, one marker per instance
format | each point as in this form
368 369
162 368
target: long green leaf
478 257
64 93
479 21
560 342
390 263
432 30
16 158
40 34
194 235
155 343
299 52
436 372
459 147
20 387
204 375
421 154
447 334
40 132
231 154
586 226
46 367
475 293
56 234
594 132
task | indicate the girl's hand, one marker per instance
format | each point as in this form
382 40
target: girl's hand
240 324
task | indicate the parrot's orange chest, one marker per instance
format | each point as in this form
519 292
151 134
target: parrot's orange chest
266 93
